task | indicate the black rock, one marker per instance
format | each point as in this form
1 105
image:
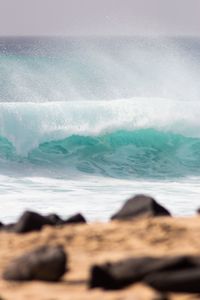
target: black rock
198 211
78 218
1 225
138 206
120 274
30 221
45 263
55 219
182 281
123 273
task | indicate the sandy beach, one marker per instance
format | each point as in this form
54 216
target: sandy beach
93 243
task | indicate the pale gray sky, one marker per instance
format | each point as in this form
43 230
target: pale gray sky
99 17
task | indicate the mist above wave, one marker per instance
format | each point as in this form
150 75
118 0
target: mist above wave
41 70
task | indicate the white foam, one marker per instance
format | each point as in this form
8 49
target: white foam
96 197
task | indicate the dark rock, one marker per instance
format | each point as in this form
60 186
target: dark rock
120 274
30 221
123 273
182 281
55 219
198 211
78 218
138 206
1 225
45 263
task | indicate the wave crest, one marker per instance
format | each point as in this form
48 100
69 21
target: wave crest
27 125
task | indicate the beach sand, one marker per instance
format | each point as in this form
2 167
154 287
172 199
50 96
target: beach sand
97 243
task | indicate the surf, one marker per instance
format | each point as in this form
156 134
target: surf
121 138
87 123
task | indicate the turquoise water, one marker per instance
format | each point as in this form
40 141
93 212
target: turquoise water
86 124
122 154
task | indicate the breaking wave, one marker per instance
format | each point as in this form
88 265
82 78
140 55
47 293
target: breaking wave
139 137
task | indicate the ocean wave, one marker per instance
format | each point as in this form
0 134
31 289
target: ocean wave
124 138
27 125
120 154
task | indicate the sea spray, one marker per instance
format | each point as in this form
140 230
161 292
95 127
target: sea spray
47 69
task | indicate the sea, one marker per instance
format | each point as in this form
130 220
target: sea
87 122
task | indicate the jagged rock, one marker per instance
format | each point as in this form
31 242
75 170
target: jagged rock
30 221
123 273
78 218
138 206
46 263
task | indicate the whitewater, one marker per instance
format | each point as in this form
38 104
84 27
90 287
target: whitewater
84 130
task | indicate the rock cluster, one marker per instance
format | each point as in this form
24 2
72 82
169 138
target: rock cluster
49 263
32 221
